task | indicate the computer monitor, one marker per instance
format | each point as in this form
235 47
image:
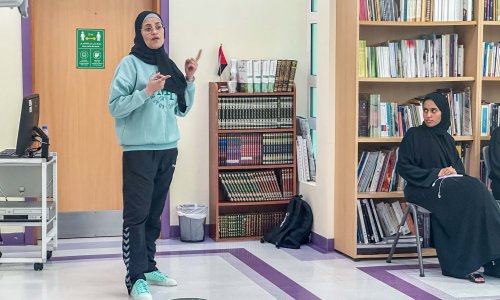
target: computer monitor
28 123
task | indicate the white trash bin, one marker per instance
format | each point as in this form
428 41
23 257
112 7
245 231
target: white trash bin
192 219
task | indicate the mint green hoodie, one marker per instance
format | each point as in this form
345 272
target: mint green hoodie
142 122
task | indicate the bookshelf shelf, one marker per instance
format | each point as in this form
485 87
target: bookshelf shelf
491 78
349 146
416 24
491 23
379 195
394 139
418 80
463 138
255 167
255 130
241 182
236 239
485 138
278 202
426 252
255 94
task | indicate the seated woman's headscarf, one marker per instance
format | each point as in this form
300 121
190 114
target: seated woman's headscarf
444 107
424 150
177 82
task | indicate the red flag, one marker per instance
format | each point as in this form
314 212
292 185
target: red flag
222 61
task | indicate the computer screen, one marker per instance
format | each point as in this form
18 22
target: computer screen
30 111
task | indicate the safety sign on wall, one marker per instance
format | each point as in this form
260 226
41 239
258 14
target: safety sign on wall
89 48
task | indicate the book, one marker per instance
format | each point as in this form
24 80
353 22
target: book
266 66
257 75
245 76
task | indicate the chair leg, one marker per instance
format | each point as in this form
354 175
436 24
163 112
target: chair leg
417 238
398 233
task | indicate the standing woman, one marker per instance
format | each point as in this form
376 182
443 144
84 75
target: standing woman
465 217
148 91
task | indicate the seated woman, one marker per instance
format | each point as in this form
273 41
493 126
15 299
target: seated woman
495 163
465 217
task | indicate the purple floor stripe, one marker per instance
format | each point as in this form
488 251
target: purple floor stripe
277 278
381 273
280 280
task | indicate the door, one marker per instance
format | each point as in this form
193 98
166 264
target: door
74 101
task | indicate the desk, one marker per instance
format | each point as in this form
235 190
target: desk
32 178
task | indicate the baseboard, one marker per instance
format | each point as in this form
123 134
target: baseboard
321 243
90 224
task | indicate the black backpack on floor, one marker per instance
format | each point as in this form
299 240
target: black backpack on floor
295 229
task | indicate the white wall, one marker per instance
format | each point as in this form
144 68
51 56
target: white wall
11 89
320 194
248 30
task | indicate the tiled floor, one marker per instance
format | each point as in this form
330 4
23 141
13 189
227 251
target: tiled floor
93 269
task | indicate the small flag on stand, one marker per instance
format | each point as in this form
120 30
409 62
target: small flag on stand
222 61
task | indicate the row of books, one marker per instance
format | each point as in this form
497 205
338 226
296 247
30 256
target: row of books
238 149
255 112
386 119
416 10
490 118
491 59
262 76
248 224
378 222
483 172
306 162
389 119
377 171
491 10
459 100
463 149
431 55
254 186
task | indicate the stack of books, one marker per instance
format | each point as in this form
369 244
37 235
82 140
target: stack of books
419 10
432 55
265 75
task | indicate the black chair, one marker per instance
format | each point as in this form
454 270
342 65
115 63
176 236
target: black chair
486 157
414 208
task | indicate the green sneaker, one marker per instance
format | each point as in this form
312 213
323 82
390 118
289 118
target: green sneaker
140 291
158 278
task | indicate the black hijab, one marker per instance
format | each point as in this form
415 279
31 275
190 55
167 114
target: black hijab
424 150
442 103
177 82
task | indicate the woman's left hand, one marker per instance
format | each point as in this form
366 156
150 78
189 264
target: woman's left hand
191 65
447 171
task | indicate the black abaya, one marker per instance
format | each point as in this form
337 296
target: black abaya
465 217
495 163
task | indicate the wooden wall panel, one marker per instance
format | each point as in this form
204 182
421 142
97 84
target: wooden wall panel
74 102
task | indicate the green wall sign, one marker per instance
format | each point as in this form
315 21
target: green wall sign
89 48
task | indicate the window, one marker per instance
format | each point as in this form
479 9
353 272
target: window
314 5
312 23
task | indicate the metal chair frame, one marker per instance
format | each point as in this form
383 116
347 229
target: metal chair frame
413 208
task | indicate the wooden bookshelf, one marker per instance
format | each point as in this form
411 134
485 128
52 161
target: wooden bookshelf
491 23
418 80
219 202
491 78
416 24
490 86
349 146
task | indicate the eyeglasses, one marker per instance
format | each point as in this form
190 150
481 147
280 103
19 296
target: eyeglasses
149 29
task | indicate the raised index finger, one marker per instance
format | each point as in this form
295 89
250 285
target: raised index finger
198 55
